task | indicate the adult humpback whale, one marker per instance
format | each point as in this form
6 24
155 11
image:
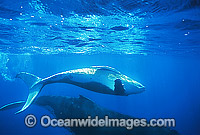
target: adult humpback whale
81 107
102 79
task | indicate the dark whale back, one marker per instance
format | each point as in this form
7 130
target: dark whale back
67 107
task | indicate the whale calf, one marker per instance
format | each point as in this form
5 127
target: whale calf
101 79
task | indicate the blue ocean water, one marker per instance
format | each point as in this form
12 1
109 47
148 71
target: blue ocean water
155 42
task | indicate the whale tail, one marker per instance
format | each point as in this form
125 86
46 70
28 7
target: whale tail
34 83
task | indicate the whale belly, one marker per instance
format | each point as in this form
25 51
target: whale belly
101 83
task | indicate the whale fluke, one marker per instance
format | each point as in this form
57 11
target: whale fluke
34 84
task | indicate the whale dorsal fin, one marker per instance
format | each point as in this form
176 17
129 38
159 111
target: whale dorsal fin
107 68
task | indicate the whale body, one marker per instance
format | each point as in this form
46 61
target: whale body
101 79
81 107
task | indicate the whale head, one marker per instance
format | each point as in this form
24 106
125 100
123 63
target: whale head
131 86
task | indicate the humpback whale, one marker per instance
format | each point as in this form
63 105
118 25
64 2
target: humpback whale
81 107
101 79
